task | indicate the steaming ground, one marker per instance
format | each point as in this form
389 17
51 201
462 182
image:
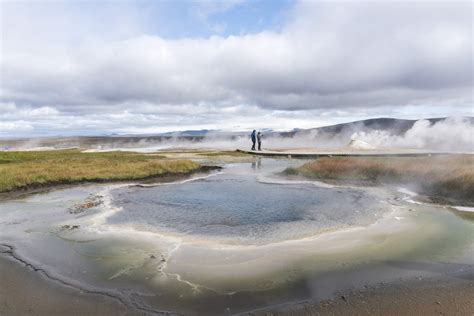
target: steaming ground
447 135
452 134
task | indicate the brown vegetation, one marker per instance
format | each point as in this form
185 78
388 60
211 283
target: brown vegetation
449 176
32 169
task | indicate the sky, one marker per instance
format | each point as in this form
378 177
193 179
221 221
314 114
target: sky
145 67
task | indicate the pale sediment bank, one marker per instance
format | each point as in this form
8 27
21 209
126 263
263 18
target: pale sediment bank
311 153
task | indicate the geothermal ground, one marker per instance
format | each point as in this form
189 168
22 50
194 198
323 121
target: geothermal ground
246 238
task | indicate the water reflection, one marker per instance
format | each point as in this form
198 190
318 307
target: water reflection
257 164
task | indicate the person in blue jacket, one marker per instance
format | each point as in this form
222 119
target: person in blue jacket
253 136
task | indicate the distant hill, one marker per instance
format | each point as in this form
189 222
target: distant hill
201 132
392 125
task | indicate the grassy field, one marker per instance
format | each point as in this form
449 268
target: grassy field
19 170
449 176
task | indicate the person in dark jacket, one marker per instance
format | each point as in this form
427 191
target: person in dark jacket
259 140
253 136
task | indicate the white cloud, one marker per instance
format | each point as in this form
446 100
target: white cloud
328 57
11 111
6 128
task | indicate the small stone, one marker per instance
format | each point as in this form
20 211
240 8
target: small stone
69 227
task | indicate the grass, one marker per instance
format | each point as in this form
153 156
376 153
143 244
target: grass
20 170
449 176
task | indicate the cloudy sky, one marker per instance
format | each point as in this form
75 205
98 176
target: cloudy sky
102 67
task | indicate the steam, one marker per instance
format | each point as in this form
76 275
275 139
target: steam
449 135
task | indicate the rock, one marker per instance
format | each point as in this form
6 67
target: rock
69 227
90 202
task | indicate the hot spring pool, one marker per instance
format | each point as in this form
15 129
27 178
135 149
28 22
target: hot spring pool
241 206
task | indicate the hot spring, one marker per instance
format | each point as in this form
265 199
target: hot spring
232 241
241 206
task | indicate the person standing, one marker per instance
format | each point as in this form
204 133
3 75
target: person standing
259 140
253 136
